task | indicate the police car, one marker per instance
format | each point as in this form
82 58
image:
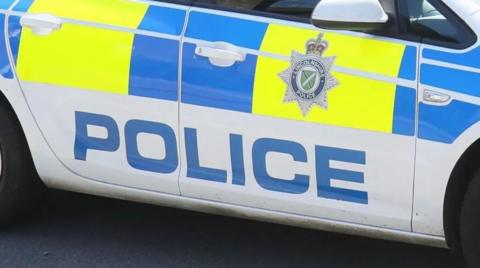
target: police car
363 119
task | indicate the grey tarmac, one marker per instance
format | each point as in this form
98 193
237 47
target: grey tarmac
74 230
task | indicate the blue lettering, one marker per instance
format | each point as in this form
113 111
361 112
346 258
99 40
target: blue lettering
236 157
298 185
194 170
135 159
83 142
325 174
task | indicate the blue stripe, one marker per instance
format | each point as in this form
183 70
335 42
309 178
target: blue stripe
23 5
408 68
469 58
154 68
163 20
404 111
240 32
446 123
14 34
452 79
228 88
5 67
5 4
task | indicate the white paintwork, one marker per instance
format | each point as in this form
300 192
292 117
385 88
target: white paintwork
41 24
433 166
436 161
354 11
463 8
388 177
56 175
390 182
110 167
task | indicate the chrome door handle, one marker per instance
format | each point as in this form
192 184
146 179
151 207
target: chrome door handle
221 54
41 24
435 97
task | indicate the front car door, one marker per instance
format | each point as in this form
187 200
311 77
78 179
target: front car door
101 79
249 140
449 108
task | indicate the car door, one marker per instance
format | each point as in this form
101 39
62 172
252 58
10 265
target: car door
250 141
101 79
448 111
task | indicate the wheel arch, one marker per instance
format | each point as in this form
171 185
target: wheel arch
457 186
12 98
6 103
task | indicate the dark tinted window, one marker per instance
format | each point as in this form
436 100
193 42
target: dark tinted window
436 23
296 8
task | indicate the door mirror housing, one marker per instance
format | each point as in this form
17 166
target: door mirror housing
353 15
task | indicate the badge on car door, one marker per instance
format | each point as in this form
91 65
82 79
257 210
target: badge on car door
308 78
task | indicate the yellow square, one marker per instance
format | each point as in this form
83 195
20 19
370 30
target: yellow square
355 52
77 56
125 13
355 103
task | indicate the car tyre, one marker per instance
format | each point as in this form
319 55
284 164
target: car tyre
470 223
20 186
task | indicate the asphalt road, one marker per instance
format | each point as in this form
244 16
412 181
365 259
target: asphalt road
72 230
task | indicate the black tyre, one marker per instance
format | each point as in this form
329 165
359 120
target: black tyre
20 187
470 223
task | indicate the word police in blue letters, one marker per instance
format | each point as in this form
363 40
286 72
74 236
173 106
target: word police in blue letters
299 184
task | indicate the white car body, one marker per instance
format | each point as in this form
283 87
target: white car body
406 177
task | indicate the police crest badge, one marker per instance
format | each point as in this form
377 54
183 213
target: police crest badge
308 78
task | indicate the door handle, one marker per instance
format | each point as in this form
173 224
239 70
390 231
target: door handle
435 97
41 24
221 54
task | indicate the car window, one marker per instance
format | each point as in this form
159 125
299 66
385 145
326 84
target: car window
296 8
430 22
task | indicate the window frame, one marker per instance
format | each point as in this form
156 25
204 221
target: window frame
392 32
399 28
196 3
470 36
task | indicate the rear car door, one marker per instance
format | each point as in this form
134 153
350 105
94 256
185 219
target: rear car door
101 79
250 141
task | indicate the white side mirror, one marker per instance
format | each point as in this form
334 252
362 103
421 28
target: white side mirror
349 15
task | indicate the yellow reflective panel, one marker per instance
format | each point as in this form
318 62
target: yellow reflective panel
124 13
77 56
356 103
366 54
281 39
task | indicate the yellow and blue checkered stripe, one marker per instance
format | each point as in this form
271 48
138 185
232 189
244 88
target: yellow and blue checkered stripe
125 62
253 86
98 58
